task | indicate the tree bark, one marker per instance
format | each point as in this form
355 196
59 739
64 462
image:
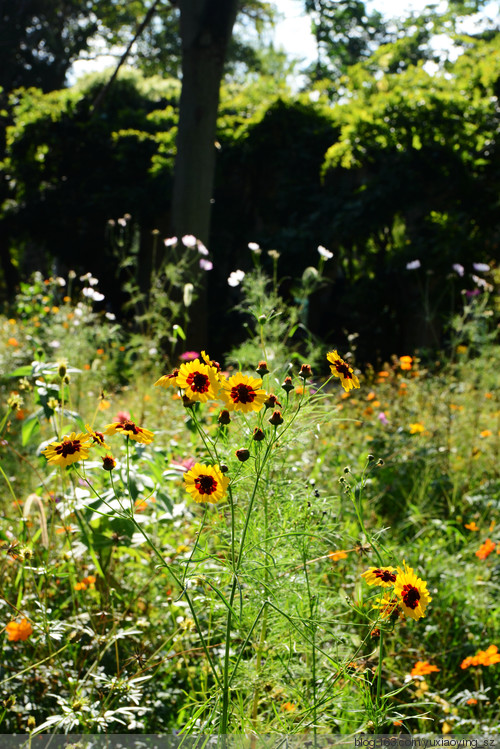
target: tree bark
205 28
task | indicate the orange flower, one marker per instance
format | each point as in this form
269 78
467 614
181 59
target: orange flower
87 582
405 362
289 707
19 630
422 668
472 701
12 342
487 657
485 549
485 433
336 555
472 526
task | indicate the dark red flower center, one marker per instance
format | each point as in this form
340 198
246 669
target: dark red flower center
98 437
198 382
129 426
205 484
68 447
385 576
411 596
242 393
343 369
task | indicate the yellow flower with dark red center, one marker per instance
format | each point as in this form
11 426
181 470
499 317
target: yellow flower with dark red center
485 549
383 576
412 593
422 668
341 369
243 393
198 380
19 630
97 437
205 483
388 606
70 450
130 429
168 380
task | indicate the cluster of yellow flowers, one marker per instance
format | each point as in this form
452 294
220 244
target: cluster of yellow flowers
408 595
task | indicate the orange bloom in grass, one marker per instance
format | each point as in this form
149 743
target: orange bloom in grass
243 393
87 582
472 701
383 576
70 450
485 549
472 526
205 483
487 657
12 342
199 381
422 668
405 362
130 429
19 630
342 370
289 707
336 555
485 433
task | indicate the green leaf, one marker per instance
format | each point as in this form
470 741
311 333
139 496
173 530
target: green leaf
21 371
30 427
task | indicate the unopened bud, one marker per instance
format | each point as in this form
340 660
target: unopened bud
272 401
61 370
224 418
305 371
276 419
242 454
187 296
287 384
258 434
370 458
187 402
108 463
262 368
223 468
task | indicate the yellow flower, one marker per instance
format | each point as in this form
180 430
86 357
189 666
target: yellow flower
70 450
168 380
199 381
383 576
405 362
205 483
129 429
412 592
417 428
97 437
336 555
19 630
341 369
243 393
472 526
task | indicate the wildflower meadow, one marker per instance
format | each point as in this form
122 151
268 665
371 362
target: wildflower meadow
280 542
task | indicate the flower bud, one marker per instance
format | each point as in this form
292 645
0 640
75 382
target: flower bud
242 454
272 401
305 371
224 419
187 402
108 463
187 295
223 468
262 368
258 434
276 419
287 384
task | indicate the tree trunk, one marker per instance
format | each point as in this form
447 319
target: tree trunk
205 28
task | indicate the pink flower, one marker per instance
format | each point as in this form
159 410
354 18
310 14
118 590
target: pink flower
206 264
383 418
189 355
121 417
183 465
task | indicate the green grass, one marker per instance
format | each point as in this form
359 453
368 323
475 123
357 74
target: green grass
151 612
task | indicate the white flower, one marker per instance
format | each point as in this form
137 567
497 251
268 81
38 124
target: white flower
60 281
90 279
96 296
482 283
110 316
170 242
459 269
236 277
254 247
481 267
206 264
189 240
413 265
324 252
201 247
